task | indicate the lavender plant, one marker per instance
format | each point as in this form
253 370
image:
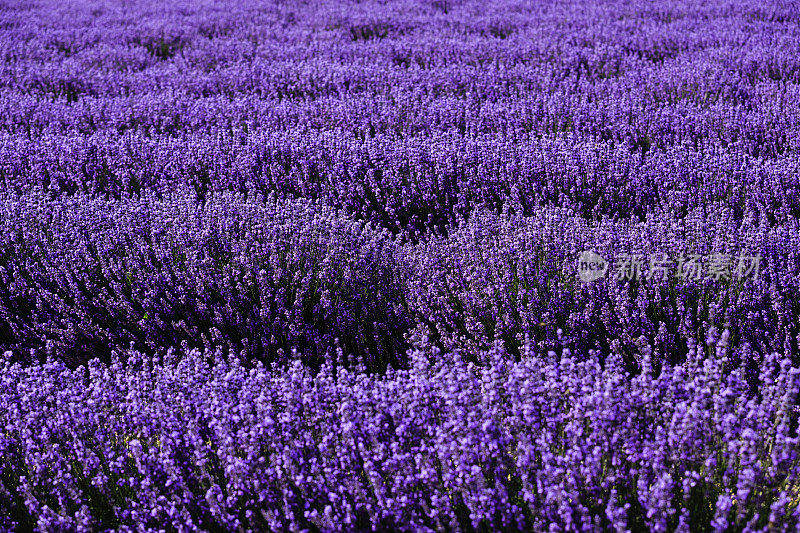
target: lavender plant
509 277
260 276
559 442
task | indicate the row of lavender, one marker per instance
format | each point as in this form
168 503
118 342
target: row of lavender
204 443
260 276
250 212
414 184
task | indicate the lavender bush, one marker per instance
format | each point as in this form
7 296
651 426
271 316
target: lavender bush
507 277
261 276
312 266
559 443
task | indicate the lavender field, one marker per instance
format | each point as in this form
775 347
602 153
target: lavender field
399 265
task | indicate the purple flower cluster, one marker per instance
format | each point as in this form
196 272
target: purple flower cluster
311 266
261 276
510 277
79 276
203 442
409 112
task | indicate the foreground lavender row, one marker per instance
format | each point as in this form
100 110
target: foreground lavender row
201 442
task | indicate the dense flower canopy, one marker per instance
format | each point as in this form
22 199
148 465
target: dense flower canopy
317 266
